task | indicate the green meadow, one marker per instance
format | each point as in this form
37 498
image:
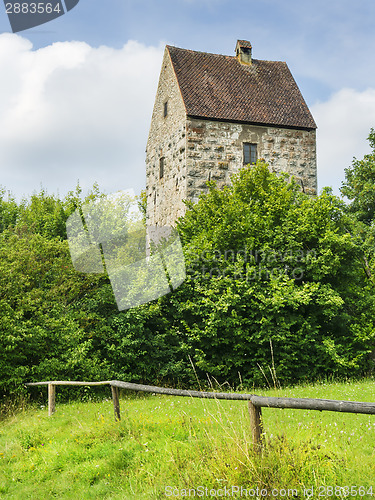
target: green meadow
172 447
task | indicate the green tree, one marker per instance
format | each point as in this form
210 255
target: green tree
359 185
46 214
8 210
274 277
270 266
359 188
42 214
142 204
56 322
42 335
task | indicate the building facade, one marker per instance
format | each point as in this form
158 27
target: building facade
215 113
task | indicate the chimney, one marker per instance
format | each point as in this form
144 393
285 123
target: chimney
243 52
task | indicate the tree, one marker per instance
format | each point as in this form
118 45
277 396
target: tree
42 334
142 204
8 210
270 266
274 278
359 185
54 321
359 188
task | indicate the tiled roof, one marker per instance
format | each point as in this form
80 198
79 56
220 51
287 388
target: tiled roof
220 87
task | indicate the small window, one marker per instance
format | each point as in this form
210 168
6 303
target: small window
161 167
250 154
165 108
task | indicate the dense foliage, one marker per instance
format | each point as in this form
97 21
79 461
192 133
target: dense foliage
359 185
359 189
278 284
276 278
42 334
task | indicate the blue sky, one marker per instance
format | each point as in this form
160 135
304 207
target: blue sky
77 93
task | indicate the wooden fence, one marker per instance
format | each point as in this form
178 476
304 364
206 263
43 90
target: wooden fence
255 403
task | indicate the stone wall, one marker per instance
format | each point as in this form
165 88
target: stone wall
165 195
215 152
166 140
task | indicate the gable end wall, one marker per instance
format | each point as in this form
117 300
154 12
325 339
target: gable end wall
166 139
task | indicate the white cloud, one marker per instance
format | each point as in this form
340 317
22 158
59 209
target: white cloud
344 123
70 111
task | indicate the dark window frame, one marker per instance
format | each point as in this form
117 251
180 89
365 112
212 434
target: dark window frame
165 111
250 153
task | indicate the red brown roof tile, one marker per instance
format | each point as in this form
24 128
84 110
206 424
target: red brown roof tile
219 87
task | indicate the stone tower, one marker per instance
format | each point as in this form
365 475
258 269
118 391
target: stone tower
215 113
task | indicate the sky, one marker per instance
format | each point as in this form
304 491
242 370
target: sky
77 93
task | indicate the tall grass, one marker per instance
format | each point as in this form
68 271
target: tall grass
185 444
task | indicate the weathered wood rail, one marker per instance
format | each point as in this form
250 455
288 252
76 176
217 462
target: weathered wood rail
255 402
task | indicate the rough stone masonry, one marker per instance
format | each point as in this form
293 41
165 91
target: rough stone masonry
209 111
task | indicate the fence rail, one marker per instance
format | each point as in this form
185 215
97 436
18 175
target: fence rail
255 402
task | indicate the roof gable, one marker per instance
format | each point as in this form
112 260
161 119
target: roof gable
219 87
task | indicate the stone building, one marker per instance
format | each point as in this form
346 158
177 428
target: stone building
215 113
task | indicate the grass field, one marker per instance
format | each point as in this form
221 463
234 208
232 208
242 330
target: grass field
172 447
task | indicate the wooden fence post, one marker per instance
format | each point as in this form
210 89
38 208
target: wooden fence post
116 402
256 426
51 399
